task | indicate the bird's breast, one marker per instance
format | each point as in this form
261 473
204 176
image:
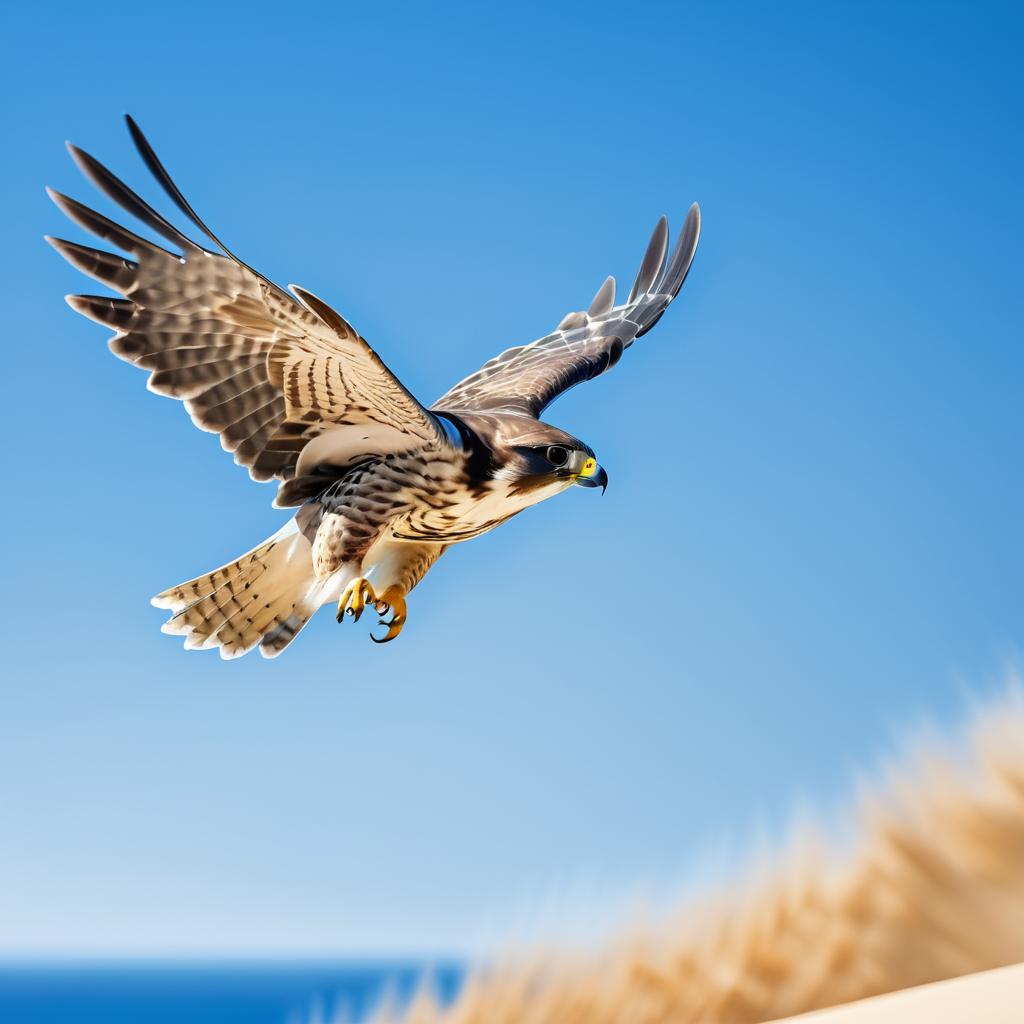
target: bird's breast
458 516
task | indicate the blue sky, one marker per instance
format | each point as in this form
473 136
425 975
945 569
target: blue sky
812 537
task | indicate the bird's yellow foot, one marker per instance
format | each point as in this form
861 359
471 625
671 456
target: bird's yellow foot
355 597
359 594
392 600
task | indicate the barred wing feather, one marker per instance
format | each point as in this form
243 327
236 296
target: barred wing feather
267 370
526 379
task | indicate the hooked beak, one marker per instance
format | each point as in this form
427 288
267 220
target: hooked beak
591 475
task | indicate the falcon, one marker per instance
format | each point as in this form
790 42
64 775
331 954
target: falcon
382 485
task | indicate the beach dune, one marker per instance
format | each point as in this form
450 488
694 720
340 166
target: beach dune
991 997
931 888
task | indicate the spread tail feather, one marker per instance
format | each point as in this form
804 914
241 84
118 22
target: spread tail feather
262 598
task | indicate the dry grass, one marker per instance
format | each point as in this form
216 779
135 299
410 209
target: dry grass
931 888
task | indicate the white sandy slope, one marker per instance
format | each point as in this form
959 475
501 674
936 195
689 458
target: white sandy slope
991 997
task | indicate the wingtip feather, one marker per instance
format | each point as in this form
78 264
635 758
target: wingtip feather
682 256
102 309
136 133
604 300
79 155
653 265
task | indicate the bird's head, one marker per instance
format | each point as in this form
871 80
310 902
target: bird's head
540 460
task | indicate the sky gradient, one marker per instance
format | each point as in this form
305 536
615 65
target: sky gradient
812 534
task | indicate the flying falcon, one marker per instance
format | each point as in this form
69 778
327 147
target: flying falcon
382 484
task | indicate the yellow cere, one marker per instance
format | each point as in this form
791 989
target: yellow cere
588 467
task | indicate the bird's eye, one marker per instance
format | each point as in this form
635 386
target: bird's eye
557 455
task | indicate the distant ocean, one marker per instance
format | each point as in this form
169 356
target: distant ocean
264 993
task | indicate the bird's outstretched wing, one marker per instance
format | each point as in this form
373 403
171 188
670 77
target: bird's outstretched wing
525 379
284 380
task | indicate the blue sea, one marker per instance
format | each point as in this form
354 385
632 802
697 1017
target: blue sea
264 993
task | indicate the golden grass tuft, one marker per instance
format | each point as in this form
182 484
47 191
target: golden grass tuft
932 887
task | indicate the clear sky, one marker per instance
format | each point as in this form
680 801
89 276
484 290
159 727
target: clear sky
812 536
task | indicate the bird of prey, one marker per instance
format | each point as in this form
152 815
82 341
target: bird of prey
382 484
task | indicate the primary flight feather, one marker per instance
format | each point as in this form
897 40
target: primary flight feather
382 484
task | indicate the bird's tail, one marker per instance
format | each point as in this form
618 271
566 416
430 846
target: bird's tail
264 597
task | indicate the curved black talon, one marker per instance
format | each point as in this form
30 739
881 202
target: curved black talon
392 632
387 638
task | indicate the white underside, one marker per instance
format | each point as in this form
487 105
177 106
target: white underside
383 564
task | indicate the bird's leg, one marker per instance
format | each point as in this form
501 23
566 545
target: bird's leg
360 593
355 597
393 600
